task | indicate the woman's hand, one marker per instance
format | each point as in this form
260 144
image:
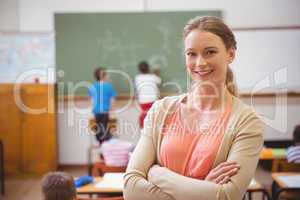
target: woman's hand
154 172
222 173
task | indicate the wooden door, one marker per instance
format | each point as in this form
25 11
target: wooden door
39 150
10 129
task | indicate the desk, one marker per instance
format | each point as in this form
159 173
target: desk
276 155
91 189
279 186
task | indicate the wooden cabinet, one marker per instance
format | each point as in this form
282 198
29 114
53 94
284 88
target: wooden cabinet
28 128
10 129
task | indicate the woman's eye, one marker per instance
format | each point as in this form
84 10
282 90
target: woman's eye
210 52
190 54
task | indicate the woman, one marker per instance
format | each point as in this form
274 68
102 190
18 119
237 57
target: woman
204 144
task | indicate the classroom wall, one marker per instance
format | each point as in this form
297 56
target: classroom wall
43 19
279 113
9 15
72 140
237 14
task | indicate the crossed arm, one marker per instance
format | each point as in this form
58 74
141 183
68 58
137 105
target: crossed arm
147 181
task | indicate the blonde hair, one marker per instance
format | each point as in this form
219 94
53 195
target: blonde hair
218 27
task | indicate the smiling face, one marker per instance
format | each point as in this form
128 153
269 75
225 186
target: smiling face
206 57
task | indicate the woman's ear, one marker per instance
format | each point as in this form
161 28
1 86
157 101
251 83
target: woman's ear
231 55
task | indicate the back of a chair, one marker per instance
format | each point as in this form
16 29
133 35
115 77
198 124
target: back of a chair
99 169
289 167
93 124
254 185
112 124
103 198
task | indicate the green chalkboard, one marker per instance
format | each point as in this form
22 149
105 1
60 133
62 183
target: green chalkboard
118 42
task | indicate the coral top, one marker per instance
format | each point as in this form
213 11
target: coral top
191 153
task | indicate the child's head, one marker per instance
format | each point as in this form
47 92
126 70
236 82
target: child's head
144 67
58 186
296 134
100 74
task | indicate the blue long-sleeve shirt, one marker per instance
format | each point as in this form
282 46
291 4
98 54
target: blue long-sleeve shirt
101 94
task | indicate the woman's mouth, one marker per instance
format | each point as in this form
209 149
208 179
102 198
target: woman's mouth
203 72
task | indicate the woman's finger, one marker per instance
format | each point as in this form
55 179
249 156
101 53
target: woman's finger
213 174
224 164
228 168
210 177
229 174
233 172
221 169
225 169
225 180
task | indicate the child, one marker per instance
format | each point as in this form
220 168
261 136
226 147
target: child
103 96
293 152
146 85
58 186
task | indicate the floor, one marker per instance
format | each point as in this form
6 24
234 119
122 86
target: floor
28 187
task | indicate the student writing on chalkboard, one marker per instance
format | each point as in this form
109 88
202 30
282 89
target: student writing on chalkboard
103 96
147 90
204 144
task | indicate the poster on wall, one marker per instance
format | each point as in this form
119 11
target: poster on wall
27 57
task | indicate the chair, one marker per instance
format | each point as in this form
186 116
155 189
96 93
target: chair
256 187
103 198
93 146
2 176
285 166
99 169
112 124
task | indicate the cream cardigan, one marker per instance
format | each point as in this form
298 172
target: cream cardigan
242 142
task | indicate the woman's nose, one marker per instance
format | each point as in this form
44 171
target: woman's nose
200 61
